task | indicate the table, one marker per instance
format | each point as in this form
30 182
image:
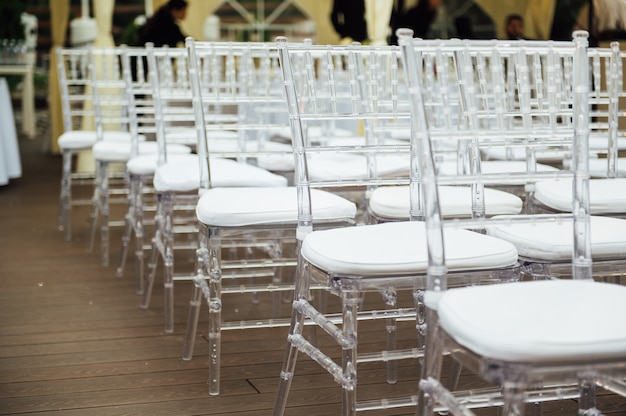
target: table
24 67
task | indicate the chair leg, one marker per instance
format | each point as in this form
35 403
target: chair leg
289 365
95 206
391 302
139 254
215 309
168 262
105 216
129 220
195 304
64 221
254 296
199 289
151 273
513 395
277 279
350 299
587 401
301 291
431 365
453 375
154 254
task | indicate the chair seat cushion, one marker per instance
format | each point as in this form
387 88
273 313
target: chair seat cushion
147 164
276 163
539 321
400 247
84 139
117 151
449 167
606 195
601 142
235 207
546 155
189 135
597 144
185 176
230 145
552 241
314 132
598 167
337 165
393 202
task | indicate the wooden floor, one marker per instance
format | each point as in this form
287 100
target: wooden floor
73 340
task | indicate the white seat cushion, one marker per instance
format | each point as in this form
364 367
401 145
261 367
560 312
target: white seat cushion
185 176
606 195
601 142
400 247
146 164
84 139
189 135
393 202
552 241
598 167
519 153
276 163
231 145
236 207
550 320
313 132
338 165
449 167
118 151
329 166
182 135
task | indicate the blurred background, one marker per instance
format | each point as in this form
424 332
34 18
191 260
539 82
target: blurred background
31 28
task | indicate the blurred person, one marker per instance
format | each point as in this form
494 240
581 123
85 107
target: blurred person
608 15
162 27
514 27
419 18
348 19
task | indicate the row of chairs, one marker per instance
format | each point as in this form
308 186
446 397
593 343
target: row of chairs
421 255
372 134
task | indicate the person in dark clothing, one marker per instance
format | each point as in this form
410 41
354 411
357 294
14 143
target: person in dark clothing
162 28
514 27
348 19
418 18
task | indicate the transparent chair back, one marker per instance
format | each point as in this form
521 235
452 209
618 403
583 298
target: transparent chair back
507 109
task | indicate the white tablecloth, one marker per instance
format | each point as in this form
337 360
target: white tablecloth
10 164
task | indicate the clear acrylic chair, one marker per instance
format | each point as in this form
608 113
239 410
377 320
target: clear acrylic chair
547 253
111 110
606 75
522 335
385 259
444 110
74 77
259 223
166 127
179 183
